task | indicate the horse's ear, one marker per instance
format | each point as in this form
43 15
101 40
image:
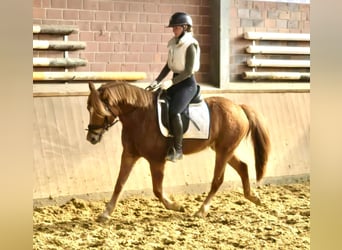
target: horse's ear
91 86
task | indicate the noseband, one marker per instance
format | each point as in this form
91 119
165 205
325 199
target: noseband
106 125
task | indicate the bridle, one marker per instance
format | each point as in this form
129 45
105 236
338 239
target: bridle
106 125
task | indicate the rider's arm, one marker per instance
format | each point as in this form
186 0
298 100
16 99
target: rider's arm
163 73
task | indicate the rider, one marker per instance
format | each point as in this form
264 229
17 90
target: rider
183 60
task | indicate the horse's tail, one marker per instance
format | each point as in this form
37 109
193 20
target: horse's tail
260 139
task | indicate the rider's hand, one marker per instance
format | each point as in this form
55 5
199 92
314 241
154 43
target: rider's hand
153 86
166 84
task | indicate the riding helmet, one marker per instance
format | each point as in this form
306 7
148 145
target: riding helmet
180 18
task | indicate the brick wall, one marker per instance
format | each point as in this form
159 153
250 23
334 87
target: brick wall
130 35
126 35
263 17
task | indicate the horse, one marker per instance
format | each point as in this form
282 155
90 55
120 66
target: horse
135 108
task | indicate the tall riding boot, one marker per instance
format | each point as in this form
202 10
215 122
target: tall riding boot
176 152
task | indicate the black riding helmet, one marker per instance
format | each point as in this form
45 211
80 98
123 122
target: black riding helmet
180 18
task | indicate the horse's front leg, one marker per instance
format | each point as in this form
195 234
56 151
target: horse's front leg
157 172
127 162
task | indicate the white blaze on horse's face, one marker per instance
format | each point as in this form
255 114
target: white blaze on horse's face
96 126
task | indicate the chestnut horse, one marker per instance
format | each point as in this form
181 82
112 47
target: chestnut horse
136 109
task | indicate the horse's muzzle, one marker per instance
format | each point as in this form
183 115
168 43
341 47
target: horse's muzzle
94 138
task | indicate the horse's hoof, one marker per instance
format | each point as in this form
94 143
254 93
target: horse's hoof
102 218
256 201
181 209
200 214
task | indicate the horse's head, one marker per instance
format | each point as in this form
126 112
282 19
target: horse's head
101 117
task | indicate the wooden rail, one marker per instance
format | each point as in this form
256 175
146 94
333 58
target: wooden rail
266 52
58 45
54 29
88 76
58 62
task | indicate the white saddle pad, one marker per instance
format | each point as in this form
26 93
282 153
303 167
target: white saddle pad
199 123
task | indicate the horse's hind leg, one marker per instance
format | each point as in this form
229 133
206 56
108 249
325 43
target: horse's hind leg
127 163
220 166
242 170
157 172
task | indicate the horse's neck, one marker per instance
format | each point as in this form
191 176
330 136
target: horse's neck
129 114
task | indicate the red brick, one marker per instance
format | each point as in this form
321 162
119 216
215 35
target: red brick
128 27
90 5
86 36
136 7
54 14
131 17
150 7
38 13
284 15
147 58
116 16
121 6
98 67
154 18
157 28
58 4
135 47
85 68
113 67
132 57
37 4
70 15
83 25
74 4
117 57
102 16
92 47
138 38
87 15
106 5
102 36
102 57
46 3
120 47
113 27
128 67
117 37
143 67
165 9
90 57
143 27
106 47
150 48
98 26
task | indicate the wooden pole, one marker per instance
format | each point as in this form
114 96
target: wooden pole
88 76
277 36
253 49
58 45
253 62
58 62
54 29
276 75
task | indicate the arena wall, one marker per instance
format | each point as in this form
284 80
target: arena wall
65 164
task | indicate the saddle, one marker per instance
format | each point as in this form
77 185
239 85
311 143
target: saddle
195 117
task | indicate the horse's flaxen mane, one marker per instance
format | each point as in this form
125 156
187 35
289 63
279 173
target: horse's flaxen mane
125 93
